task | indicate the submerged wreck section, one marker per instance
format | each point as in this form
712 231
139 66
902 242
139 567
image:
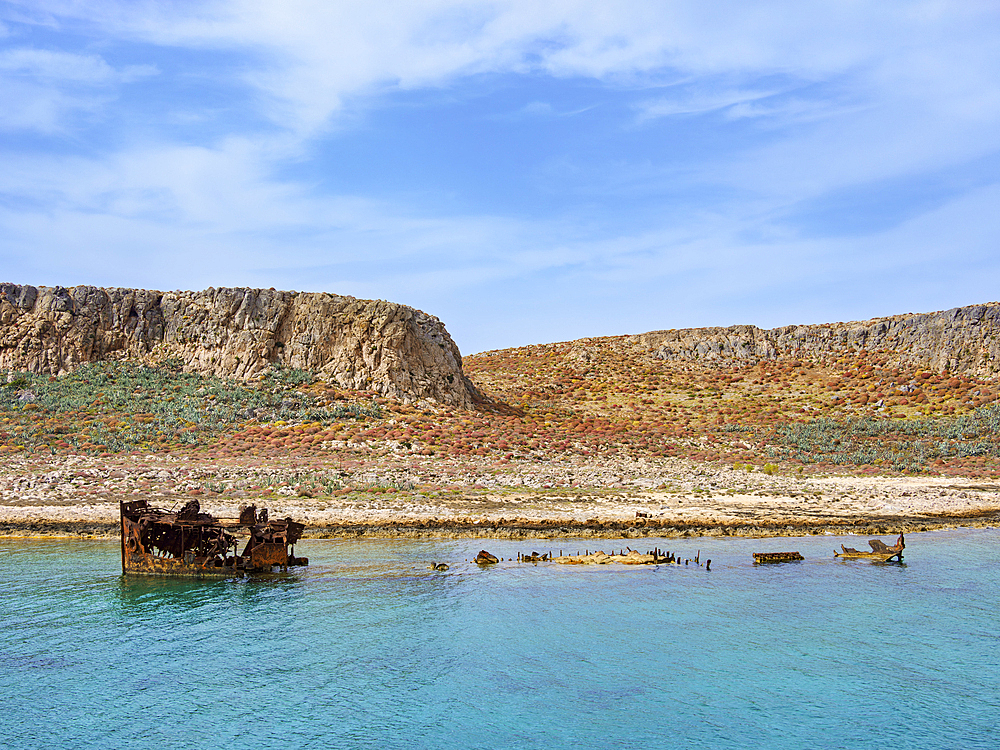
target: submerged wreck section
880 551
191 543
776 557
654 556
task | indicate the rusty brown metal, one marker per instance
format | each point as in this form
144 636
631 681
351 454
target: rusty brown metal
195 544
776 557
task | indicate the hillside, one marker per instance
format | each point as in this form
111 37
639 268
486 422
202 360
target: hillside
834 401
817 404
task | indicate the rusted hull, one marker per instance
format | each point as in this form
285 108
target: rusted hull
191 544
158 566
268 555
149 565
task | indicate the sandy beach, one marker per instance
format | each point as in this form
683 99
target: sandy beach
79 496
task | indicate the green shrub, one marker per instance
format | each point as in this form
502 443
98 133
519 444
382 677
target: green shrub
119 406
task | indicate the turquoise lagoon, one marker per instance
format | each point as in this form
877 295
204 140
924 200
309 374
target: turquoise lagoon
366 648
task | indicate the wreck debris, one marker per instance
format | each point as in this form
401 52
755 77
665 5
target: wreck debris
776 557
880 551
626 556
533 557
485 558
191 543
631 557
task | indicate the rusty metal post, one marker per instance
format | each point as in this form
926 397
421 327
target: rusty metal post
121 524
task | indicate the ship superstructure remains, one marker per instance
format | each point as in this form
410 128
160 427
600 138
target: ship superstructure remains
191 543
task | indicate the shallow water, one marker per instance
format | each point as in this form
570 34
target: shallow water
367 648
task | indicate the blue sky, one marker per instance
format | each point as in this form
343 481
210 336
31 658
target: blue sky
526 172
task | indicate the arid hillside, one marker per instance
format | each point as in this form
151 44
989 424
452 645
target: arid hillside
809 408
853 408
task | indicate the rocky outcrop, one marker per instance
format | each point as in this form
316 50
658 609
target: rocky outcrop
391 349
965 339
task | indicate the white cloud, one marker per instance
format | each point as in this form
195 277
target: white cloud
39 65
196 214
311 54
863 92
687 102
40 88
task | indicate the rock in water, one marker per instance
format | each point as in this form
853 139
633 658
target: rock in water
392 349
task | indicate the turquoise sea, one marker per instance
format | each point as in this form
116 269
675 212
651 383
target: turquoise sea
366 648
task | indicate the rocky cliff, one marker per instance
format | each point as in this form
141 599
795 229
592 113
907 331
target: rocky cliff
965 339
391 349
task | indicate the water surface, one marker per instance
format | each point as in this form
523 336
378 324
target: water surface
366 648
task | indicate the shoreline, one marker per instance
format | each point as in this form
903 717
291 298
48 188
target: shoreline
386 498
553 528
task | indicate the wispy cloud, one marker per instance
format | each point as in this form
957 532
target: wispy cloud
700 101
41 87
308 55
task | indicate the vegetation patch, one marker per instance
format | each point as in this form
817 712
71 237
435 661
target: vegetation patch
110 407
583 400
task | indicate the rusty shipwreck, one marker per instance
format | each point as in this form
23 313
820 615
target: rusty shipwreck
880 551
187 542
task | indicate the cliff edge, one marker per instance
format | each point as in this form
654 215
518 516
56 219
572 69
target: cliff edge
960 340
392 349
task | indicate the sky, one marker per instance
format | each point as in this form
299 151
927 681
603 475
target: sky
528 172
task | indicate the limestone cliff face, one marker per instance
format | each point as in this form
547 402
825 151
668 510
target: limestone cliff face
392 349
965 339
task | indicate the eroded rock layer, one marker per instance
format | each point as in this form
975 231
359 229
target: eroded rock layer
964 339
388 348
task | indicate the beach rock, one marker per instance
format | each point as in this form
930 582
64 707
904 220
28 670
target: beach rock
391 349
485 558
